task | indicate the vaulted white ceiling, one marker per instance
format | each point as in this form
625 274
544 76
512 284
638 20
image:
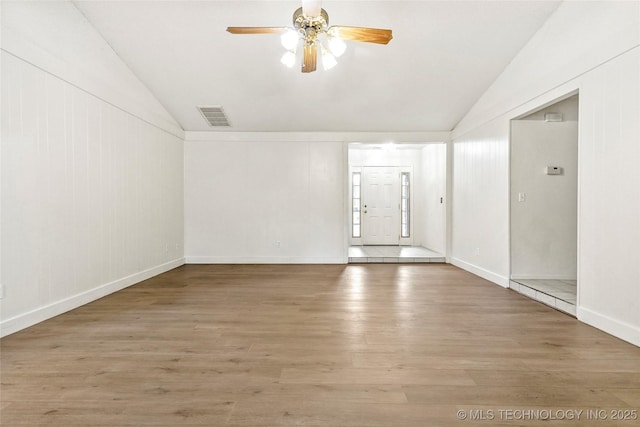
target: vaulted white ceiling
443 56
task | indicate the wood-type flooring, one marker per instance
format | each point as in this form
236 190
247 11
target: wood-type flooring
317 345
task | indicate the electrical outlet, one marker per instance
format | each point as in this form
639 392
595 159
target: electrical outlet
277 243
477 251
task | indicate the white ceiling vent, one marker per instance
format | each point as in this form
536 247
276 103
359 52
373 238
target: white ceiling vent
214 115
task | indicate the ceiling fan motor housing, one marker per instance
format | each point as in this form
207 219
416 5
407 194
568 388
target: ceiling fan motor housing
310 26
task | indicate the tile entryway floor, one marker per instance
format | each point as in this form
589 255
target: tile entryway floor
393 254
559 294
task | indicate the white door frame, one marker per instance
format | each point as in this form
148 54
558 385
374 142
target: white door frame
359 241
559 94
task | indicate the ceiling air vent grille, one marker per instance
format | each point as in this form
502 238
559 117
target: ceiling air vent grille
214 115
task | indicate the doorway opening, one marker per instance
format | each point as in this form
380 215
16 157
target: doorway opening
544 204
380 210
396 202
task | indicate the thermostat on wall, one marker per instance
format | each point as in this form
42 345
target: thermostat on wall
554 170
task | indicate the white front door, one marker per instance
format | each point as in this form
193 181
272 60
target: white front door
381 205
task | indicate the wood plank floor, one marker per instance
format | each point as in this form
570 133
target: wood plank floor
323 345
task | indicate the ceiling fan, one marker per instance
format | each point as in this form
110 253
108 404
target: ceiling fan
311 28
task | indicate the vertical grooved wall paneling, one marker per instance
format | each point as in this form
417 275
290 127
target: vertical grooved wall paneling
593 48
91 195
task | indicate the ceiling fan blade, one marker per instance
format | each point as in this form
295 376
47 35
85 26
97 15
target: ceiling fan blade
312 8
360 34
310 58
257 30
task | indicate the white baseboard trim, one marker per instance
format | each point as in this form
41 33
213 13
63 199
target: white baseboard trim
479 271
40 314
541 277
263 260
619 329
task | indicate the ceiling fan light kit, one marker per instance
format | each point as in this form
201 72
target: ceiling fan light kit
328 60
311 30
336 45
289 39
288 59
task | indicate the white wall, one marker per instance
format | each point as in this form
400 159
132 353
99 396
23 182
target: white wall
434 177
55 37
245 192
609 254
260 201
386 155
579 36
92 183
544 226
592 47
567 107
480 211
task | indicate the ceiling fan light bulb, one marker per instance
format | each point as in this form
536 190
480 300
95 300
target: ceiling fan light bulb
337 46
289 39
328 60
288 59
